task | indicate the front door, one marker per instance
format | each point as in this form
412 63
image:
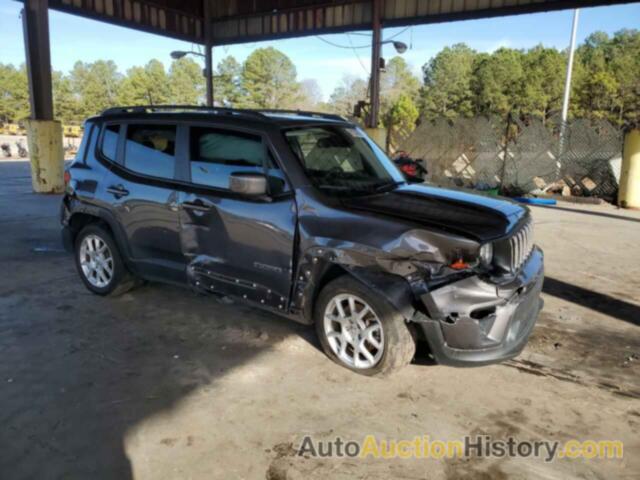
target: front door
236 245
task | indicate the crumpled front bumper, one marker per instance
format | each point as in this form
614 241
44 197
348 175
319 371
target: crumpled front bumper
476 322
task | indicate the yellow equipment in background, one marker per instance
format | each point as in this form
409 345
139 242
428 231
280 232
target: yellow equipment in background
73 131
12 129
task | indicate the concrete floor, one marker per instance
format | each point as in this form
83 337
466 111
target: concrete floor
163 384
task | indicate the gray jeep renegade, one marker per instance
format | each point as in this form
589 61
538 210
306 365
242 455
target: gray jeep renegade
300 213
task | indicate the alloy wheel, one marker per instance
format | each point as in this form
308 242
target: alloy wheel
354 331
96 261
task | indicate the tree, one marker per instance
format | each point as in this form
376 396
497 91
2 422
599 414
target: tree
186 82
595 85
625 64
607 83
14 97
397 79
226 83
148 85
400 119
543 82
310 95
347 95
269 80
498 82
399 92
447 83
65 101
96 85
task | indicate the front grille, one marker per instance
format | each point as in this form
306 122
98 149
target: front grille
512 252
521 244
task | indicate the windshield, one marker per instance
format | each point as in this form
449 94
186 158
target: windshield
343 160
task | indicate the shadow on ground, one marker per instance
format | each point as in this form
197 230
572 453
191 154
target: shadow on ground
600 302
77 371
591 212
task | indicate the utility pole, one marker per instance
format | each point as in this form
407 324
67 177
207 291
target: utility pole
567 88
208 52
376 46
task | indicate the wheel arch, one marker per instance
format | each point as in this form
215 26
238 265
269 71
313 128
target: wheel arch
82 217
315 274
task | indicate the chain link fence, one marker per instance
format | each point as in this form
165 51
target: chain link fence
519 157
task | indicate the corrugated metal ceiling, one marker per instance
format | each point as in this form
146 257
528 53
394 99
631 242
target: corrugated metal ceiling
237 21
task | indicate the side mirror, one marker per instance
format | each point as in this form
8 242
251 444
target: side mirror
249 184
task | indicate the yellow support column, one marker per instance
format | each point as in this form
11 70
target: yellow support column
378 135
47 156
629 191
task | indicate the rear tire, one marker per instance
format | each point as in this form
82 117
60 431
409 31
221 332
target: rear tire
373 325
99 262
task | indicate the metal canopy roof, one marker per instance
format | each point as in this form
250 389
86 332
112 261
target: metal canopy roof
238 21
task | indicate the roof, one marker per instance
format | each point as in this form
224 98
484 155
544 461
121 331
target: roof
195 113
238 21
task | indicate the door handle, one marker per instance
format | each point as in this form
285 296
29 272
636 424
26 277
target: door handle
118 191
196 205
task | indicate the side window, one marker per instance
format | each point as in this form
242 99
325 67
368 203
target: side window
110 141
216 154
150 150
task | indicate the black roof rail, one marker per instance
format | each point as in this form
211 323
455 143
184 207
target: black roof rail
260 112
328 116
170 108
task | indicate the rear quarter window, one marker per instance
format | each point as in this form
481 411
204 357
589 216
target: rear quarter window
109 145
81 154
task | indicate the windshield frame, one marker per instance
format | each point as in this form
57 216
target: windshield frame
393 179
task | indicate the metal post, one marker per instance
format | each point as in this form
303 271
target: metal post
567 88
208 53
208 66
375 65
35 23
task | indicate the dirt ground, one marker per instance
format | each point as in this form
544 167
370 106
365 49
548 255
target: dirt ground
163 384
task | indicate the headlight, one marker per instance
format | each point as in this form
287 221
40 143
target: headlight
486 254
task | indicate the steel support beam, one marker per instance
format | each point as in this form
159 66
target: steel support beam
376 45
208 52
35 22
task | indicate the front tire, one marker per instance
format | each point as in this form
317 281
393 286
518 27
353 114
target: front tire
99 263
360 331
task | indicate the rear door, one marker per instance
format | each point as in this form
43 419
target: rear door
141 185
236 245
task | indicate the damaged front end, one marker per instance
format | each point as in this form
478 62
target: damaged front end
476 321
470 312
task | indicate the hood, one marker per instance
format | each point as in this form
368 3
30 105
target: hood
479 217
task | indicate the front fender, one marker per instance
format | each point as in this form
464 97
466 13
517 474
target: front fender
319 265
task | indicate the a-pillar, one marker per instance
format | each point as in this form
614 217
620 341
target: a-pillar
43 132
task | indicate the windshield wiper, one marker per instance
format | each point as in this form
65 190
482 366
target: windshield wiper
334 187
388 186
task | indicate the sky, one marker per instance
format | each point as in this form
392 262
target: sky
74 38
